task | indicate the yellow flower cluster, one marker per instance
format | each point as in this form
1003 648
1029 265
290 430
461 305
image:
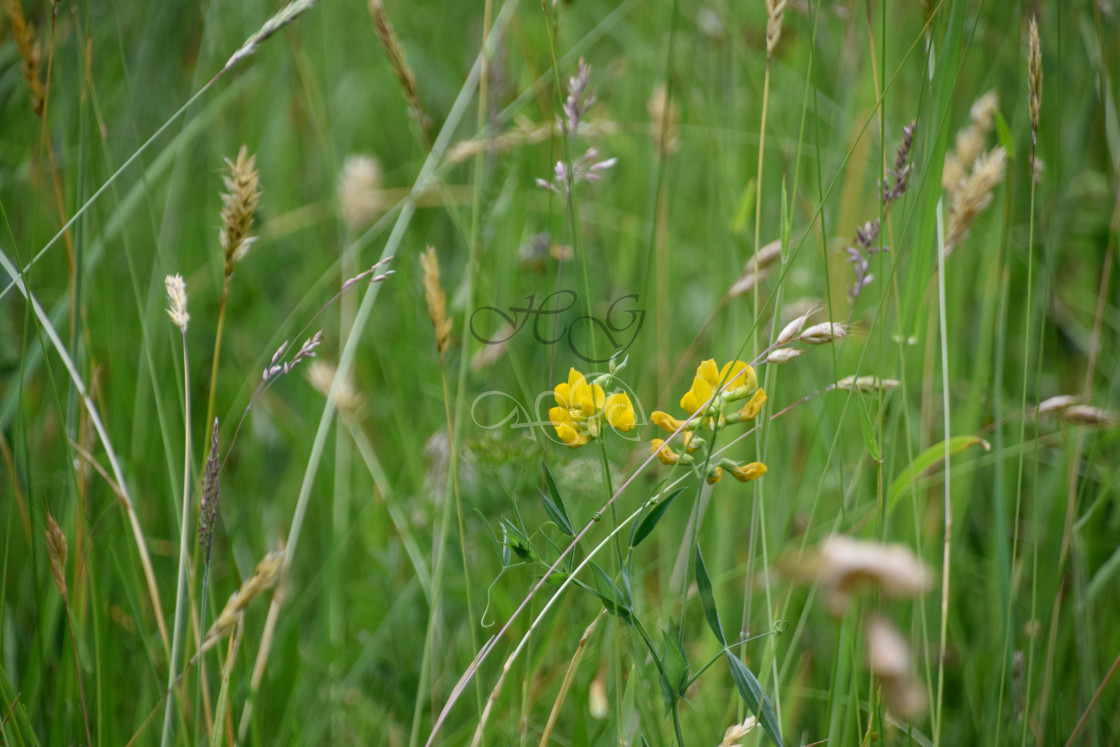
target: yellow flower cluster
712 389
582 407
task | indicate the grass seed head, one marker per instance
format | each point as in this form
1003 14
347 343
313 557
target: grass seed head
737 732
437 303
1088 415
775 9
29 51
1034 70
211 492
867 384
824 333
56 549
239 204
974 196
177 301
359 191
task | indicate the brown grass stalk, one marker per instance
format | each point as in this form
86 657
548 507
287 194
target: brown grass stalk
393 50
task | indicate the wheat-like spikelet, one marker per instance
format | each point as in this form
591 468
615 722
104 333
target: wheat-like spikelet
974 196
279 20
1034 68
971 141
177 301
211 493
359 191
388 38
775 9
56 549
264 577
24 35
437 303
239 204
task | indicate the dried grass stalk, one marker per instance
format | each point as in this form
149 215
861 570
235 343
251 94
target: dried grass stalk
974 196
393 50
437 303
239 204
29 51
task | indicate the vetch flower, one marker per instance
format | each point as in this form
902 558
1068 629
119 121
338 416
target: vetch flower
737 379
712 388
745 472
581 408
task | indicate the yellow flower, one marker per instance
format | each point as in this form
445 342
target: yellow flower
664 453
715 474
754 405
581 407
746 472
738 377
619 411
665 421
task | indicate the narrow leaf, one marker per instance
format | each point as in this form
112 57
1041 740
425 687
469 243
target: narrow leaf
554 504
868 429
927 459
707 598
649 521
751 691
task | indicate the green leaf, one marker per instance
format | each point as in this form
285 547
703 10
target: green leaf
707 598
609 593
514 539
868 429
1003 134
675 664
751 691
927 459
643 528
554 505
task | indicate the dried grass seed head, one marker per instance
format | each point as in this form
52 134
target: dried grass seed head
1088 415
974 196
239 204
23 33
177 301
867 384
359 191
437 303
824 333
737 732
1054 404
775 9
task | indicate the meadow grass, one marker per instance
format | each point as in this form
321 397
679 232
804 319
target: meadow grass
464 473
